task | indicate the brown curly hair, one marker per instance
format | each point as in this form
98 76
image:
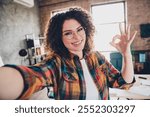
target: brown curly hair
54 31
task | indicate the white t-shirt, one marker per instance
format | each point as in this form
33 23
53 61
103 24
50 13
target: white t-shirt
91 89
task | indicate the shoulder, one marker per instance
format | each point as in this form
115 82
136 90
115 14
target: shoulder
53 59
95 57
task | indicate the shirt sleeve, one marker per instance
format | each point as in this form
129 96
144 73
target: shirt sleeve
114 77
36 77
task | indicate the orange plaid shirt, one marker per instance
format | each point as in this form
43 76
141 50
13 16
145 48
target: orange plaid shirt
66 77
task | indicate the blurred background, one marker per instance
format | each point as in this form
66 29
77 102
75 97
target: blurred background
23 24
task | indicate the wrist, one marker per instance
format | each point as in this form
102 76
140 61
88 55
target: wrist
127 53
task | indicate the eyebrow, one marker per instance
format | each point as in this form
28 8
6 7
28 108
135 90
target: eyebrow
71 30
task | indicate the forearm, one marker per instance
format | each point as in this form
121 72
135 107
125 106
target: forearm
127 68
11 83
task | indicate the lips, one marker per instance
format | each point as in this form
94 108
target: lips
77 43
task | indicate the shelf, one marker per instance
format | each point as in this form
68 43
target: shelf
36 50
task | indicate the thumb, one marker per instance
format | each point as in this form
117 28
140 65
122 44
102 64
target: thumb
112 44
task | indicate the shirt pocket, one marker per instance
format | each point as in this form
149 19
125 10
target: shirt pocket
70 75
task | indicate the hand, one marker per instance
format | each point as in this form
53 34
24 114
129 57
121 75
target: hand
123 42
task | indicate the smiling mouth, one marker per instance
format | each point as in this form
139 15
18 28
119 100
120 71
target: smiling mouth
77 43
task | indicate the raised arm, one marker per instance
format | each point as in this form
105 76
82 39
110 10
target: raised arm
11 83
122 43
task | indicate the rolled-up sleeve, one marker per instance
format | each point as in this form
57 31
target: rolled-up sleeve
35 78
114 77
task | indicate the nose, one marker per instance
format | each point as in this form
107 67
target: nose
76 36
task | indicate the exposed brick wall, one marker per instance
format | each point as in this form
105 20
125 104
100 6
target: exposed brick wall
47 6
137 13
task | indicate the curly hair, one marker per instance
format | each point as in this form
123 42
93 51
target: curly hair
54 31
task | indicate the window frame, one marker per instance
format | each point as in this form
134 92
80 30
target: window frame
112 2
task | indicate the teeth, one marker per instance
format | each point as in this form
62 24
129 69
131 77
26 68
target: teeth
76 43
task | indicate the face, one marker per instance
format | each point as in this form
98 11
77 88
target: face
73 36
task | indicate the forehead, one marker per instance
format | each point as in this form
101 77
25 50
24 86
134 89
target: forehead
70 24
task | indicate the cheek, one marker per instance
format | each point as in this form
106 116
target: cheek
66 43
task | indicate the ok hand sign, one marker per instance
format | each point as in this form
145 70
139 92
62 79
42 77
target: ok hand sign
123 41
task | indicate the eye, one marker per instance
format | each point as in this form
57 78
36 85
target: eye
68 33
80 29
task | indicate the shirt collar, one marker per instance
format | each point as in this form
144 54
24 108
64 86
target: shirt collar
74 56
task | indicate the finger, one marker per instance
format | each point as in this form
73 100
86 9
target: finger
116 40
124 38
116 37
121 29
133 37
113 44
128 31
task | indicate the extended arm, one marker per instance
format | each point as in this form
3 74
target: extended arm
11 83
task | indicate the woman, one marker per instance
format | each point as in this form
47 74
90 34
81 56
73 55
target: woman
72 70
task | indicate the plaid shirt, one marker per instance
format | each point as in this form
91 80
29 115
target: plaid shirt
67 79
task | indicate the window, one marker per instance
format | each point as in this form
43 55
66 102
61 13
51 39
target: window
54 12
106 19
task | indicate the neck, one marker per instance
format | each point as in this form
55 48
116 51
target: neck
79 54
